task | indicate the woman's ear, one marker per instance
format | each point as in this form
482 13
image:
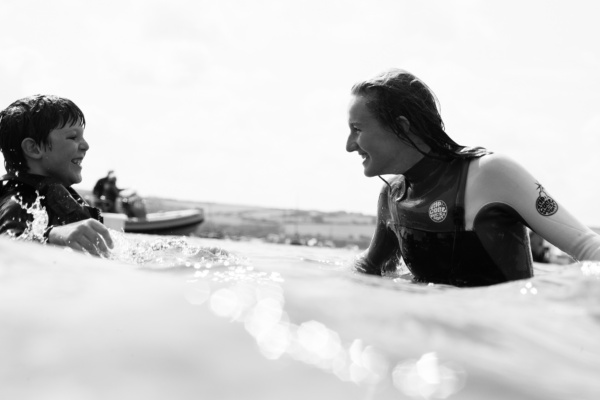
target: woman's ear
31 149
413 137
405 124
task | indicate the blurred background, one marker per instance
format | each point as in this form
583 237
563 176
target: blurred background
245 102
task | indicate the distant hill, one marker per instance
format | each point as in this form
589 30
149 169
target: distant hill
272 224
237 221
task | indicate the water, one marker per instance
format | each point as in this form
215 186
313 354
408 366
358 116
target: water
35 229
491 336
195 318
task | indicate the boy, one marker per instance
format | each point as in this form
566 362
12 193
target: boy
41 138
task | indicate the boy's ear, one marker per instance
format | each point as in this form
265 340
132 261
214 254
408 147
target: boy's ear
31 149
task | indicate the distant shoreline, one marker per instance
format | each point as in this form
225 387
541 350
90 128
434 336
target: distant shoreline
240 222
305 227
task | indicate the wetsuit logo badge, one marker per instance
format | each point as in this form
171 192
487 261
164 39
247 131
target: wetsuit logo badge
438 210
545 204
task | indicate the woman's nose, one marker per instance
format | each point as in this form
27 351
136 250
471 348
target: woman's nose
351 143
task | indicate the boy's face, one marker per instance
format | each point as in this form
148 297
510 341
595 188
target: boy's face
62 158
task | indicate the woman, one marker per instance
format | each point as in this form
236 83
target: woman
455 215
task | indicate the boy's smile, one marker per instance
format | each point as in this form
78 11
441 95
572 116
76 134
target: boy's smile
63 156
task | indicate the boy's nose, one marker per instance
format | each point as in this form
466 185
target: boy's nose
84 145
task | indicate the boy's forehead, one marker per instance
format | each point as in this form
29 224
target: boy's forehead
76 126
70 123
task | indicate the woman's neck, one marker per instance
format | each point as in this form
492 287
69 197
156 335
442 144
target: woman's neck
424 168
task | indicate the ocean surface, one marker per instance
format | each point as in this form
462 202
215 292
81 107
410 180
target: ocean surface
189 318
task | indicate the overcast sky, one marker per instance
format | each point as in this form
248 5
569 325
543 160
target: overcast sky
245 102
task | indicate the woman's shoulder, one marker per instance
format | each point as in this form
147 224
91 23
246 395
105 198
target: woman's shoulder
498 178
494 165
495 159
495 178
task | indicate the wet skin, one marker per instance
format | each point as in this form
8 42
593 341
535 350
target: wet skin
382 151
61 158
63 155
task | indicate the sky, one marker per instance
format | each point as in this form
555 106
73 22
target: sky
245 102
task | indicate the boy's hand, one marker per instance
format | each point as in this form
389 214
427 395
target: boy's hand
88 236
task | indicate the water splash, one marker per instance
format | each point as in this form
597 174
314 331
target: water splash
170 253
591 269
35 229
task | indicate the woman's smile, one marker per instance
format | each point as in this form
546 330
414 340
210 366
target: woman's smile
381 150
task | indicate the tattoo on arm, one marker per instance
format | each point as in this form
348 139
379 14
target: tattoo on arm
545 204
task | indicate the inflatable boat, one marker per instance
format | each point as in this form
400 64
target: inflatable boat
180 222
128 213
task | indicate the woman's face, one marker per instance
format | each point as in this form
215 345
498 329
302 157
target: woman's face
382 151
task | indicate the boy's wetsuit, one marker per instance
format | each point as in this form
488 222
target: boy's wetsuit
422 219
63 205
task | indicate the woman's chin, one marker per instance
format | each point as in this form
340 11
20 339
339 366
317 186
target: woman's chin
370 174
366 170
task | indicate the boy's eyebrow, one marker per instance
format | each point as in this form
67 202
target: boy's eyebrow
73 129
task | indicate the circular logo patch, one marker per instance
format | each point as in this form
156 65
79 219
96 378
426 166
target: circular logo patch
438 211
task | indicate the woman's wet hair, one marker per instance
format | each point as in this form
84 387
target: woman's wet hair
33 117
397 93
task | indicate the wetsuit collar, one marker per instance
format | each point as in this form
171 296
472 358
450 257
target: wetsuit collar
424 168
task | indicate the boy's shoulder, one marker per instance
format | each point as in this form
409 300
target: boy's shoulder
27 187
27 179
15 199
64 205
11 185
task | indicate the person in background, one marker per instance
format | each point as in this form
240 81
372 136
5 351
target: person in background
106 193
540 251
453 214
41 138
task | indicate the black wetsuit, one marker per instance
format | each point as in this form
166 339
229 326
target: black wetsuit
63 205
430 227
421 219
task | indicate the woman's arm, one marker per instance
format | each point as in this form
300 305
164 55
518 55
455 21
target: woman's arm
383 252
498 179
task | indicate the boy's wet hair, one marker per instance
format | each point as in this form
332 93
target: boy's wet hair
33 117
397 93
